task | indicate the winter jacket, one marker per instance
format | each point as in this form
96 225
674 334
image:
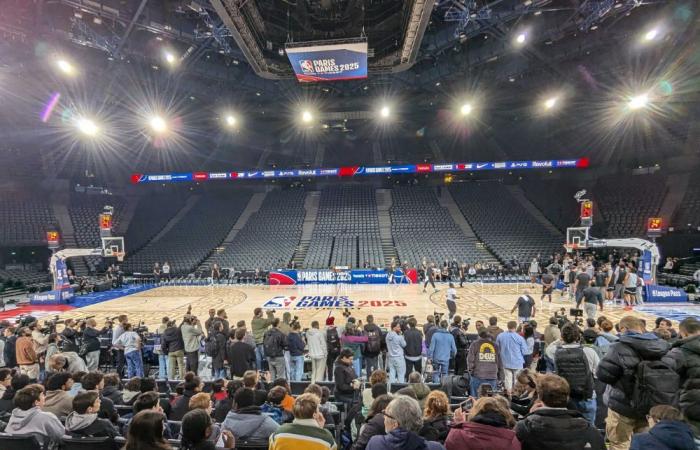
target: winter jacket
25 351
442 346
316 341
372 328
44 426
484 360
422 390
551 334
665 435
89 425
374 426
58 402
482 433
240 356
9 352
343 375
276 343
414 342
684 358
556 429
7 401
620 361
107 410
181 406
435 429
259 325
91 338
171 341
403 439
295 344
249 424
217 362
494 330
70 340
191 336
114 394
302 433
428 330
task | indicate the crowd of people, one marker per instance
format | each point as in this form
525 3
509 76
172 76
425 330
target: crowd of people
572 385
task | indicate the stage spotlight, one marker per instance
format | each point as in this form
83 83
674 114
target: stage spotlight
520 39
65 66
651 34
230 120
384 112
158 124
87 127
638 101
550 102
466 109
306 117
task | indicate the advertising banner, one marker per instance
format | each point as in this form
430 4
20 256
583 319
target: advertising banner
56 297
665 294
324 276
347 61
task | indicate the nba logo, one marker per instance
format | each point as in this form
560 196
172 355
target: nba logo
306 65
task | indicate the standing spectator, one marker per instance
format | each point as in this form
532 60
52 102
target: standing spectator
353 339
667 431
69 336
275 344
130 342
57 399
373 348
493 327
429 327
592 300
173 347
156 273
83 420
9 352
27 358
525 306
333 345
552 331
318 351
577 364
94 382
306 430
345 378
259 326
402 422
635 345
91 341
240 356
158 350
247 338
484 362
414 347
146 432
605 337
246 421
462 344
28 418
513 349
442 350
209 323
218 359
551 426
191 336
488 426
116 332
296 352
395 344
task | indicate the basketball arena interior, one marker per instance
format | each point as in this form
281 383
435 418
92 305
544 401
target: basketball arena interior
335 158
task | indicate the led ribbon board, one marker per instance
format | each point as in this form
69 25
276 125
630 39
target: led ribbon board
352 171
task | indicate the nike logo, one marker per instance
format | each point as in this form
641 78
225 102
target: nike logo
481 166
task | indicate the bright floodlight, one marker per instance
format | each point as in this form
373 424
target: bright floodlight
230 120
550 103
520 39
169 57
65 66
384 112
651 34
158 124
306 117
87 126
638 101
466 109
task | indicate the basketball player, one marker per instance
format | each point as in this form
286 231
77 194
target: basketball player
450 298
548 283
430 277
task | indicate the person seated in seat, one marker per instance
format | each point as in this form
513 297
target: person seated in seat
197 429
551 426
193 385
436 417
146 432
667 431
374 425
94 381
58 400
203 401
83 421
488 425
378 376
28 418
149 401
112 389
246 421
222 407
7 400
402 422
273 406
422 390
131 390
306 431
288 401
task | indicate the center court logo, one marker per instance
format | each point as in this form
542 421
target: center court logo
326 301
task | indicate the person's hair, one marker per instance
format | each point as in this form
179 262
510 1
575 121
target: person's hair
395 324
91 380
250 378
512 325
484 333
146 400
239 334
606 326
146 432
493 320
192 381
412 322
379 404
378 376
276 322
407 391
553 390
430 319
165 320
665 412
134 384
590 322
690 325
276 395
553 321
315 389
632 323
27 396
148 384
457 319
405 411
257 311
314 324
127 326
527 377
663 333
436 405
240 324
200 400
232 387
444 324
194 428
528 331
218 385
370 318
491 405
305 406
57 362
220 311
281 382
346 352
415 377
56 381
326 394
4 373
379 389
19 381
83 400
570 333
112 379
600 320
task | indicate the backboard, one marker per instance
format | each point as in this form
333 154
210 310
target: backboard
576 238
113 246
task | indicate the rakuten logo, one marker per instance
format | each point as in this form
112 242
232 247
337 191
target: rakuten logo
541 163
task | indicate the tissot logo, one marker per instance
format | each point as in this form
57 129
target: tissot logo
541 163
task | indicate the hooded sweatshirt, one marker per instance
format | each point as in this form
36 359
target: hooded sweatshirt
316 341
665 435
403 439
249 424
88 425
58 402
422 390
44 426
484 359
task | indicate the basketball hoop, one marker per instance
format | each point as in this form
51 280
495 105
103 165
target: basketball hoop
570 248
119 256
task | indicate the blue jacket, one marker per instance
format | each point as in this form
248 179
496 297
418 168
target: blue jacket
295 344
665 435
442 346
403 439
513 348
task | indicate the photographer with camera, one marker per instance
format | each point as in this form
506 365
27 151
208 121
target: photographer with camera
27 358
259 326
459 333
69 335
116 332
191 335
91 344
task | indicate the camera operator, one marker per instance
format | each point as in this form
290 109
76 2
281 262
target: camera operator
462 344
40 341
70 336
91 343
27 358
116 332
191 336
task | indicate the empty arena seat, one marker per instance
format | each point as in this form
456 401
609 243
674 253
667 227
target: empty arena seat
152 213
24 221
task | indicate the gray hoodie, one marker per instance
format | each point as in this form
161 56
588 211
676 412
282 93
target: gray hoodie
77 421
250 426
316 342
44 426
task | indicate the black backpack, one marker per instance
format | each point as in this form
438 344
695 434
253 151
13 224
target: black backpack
374 341
211 347
570 364
461 339
270 344
332 341
655 384
455 385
